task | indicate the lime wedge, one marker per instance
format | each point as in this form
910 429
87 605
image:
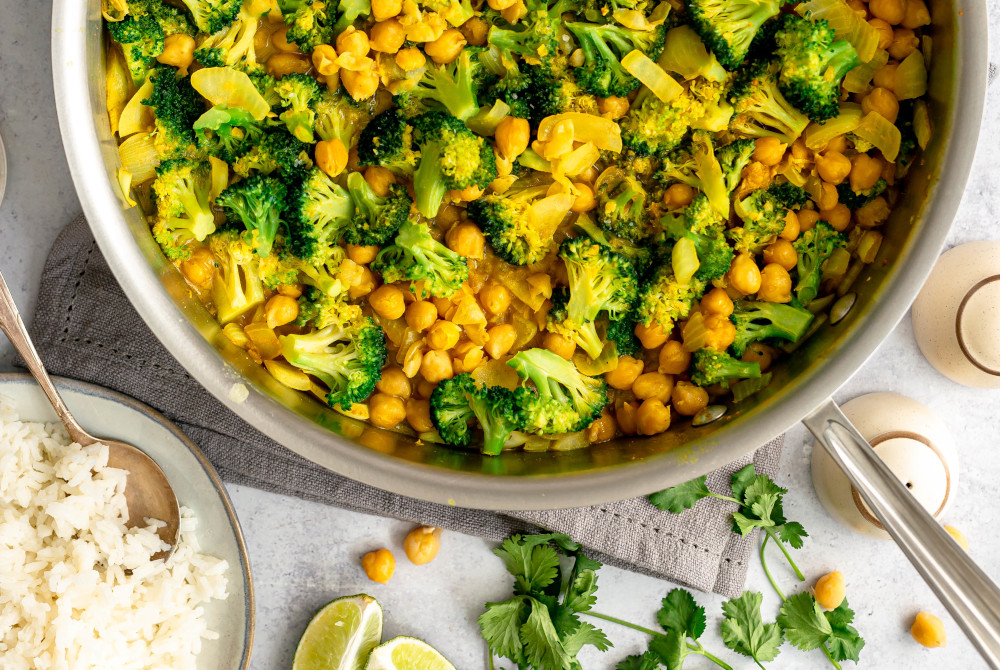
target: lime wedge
341 635
407 653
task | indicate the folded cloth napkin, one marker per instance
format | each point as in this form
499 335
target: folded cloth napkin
85 328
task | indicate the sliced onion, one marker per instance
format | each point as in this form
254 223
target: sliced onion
125 184
230 87
604 133
684 259
580 159
713 183
139 157
486 121
921 123
640 66
881 133
137 117
911 77
845 23
118 83
859 79
220 177
817 135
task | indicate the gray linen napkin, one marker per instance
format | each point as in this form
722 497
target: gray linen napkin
85 328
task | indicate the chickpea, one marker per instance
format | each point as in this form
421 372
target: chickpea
904 42
380 179
379 565
884 32
873 213
279 39
883 101
446 48
769 151
781 252
443 306
331 156
717 301
559 345
361 85
958 536
830 590
512 137
386 9
652 417
467 240
916 14
385 411
198 267
387 36
928 630
291 290
388 302
625 373
420 315
678 195
281 310
673 358
425 388
625 415
353 41
833 167
885 76
807 219
865 172
394 382
828 197
759 353
495 298
720 332
614 107
324 60
422 544
281 64
467 356
839 217
838 143
791 230
476 31
362 254
653 385
436 366
650 336
502 338
418 415
178 51
443 335
603 429
364 286
500 5
744 275
410 59
890 11
688 399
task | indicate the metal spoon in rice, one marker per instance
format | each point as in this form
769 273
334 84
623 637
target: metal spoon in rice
148 494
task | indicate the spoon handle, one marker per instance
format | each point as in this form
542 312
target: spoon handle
13 327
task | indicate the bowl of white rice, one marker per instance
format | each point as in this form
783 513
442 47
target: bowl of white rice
78 588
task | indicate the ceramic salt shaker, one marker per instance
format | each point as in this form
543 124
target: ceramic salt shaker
912 441
956 317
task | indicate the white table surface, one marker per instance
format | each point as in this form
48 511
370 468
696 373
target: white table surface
304 554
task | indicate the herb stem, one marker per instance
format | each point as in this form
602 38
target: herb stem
763 564
781 545
830 657
620 622
726 498
700 650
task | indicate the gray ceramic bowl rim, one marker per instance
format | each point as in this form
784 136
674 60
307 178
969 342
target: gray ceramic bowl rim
93 390
74 23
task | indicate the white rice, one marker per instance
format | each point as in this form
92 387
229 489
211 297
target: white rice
66 601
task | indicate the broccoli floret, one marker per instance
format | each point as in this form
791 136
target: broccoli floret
257 203
231 46
732 159
276 151
763 218
564 400
640 256
141 40
453 87
457 401
655 128
376 219
505 222
760 320
537 35
603 46
702 226
183 211
227 133
211 16
680 166
322 310
177 106
452 157
279 268
621 206
322 273
856 199
813 248
600 280
264 83
622 333
173 20
761 109
533 92
348 11
347 359
718 367
337 117
788 195
728 27
310 23
319 212
665 301
387 140
415 256
237 287
813 64
298 93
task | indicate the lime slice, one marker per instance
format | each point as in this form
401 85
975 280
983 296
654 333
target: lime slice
407 653
341 635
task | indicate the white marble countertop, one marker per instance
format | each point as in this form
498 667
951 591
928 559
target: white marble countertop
304 554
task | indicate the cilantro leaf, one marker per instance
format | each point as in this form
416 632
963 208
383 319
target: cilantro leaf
804 622
744 631
671 649
844 643
585 634
741 479
647 661
792 533
744 524
531 560
580 596
501 625
543 649
681 612
678 498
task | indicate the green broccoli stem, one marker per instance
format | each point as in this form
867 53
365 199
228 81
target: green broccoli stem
428 182
694 648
